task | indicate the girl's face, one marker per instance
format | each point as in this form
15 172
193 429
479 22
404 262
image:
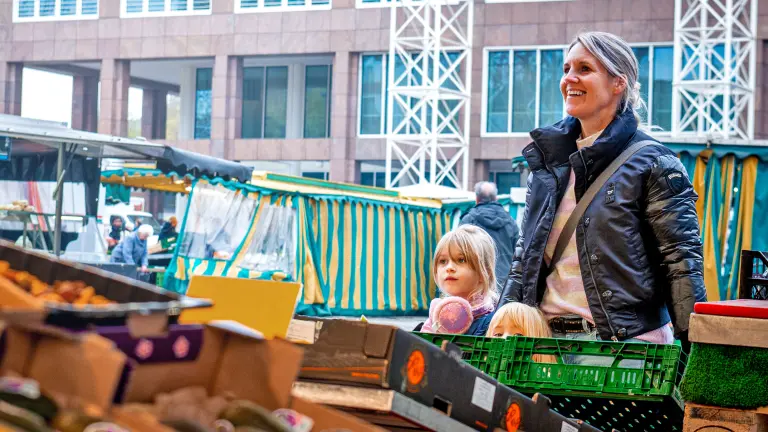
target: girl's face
587 87
506 328
454 275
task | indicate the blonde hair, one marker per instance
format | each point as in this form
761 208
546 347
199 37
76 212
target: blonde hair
478 249
528 319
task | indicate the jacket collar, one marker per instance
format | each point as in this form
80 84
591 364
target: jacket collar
554 145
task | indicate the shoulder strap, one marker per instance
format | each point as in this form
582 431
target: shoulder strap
589 195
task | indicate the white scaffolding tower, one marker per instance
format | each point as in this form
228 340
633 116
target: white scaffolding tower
715 57
429 90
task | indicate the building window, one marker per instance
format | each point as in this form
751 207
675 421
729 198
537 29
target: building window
522 90
143 8
656 70
504 180
203 82
317 175
317 101
265 102
245 6
55 10
373 97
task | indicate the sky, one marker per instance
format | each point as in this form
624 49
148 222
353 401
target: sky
48 96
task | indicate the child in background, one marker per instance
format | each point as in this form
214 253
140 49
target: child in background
518 319
463 268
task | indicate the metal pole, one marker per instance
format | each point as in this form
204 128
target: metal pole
59 201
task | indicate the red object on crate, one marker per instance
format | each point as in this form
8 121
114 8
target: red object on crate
743 308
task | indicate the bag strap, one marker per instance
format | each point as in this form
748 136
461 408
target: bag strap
589 195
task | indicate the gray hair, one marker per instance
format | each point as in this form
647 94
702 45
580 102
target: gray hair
486 192
617 57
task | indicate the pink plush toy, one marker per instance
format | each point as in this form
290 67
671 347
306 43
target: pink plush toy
451 315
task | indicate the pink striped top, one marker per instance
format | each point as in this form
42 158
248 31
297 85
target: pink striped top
565 293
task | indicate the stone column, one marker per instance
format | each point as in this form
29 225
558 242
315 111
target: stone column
226 105
115 82
10 88
479 171
85 100
154 111
342 164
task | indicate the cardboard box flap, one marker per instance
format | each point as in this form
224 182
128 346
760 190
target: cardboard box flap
338 333
85 367
260 371
326 418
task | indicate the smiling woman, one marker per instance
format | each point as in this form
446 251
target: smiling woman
631 263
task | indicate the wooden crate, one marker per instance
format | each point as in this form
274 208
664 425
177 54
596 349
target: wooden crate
702 418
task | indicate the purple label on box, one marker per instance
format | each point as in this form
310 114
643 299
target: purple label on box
181 343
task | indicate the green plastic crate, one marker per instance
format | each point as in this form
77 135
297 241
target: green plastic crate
611 397
481 352
656 378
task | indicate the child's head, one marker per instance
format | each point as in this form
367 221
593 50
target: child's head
518 319
464 263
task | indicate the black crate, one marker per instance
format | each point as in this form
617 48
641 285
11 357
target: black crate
754 275
131 297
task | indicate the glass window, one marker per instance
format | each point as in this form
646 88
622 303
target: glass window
134 6
26 8
276 105
643 61
498 91
204 80
319 175
47 8
90 7
524 91
156 5
253 102
162 7
505 181
516 79
662 87
317 91
372 95
201 4
68 7
550 98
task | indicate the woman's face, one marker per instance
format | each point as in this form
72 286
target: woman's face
587 87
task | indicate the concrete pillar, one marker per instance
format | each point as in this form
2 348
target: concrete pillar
115 82
480 170
154 112
226 104
10 87
85 101
342 164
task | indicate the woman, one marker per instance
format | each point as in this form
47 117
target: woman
634 262
116 232
168 230
133 249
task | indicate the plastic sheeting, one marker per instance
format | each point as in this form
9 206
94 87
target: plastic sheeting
273 246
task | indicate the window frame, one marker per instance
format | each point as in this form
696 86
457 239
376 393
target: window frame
384 72
296 90
57 13
145 13
539 48
284 7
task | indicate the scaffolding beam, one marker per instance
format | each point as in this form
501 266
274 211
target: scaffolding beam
714 68
429 76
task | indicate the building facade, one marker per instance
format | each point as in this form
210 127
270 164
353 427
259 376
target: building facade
299 86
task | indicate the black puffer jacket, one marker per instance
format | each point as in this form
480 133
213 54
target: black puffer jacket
498 223
639 247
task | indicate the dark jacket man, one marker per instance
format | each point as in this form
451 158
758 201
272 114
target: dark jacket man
489 215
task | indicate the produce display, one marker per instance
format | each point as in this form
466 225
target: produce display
72 292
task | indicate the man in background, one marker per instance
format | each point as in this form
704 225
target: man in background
489 215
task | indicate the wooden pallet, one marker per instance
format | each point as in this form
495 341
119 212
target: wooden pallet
703 418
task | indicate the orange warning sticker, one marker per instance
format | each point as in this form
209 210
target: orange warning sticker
416 367
513 417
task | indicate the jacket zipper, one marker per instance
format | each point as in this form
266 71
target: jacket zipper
599 297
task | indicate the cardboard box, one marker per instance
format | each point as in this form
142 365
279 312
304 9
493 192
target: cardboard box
85 366
359 353
132 296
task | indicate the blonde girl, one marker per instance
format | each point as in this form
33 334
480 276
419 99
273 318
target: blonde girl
463 268
518 319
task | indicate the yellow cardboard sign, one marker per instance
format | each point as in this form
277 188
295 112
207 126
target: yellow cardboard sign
266 306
